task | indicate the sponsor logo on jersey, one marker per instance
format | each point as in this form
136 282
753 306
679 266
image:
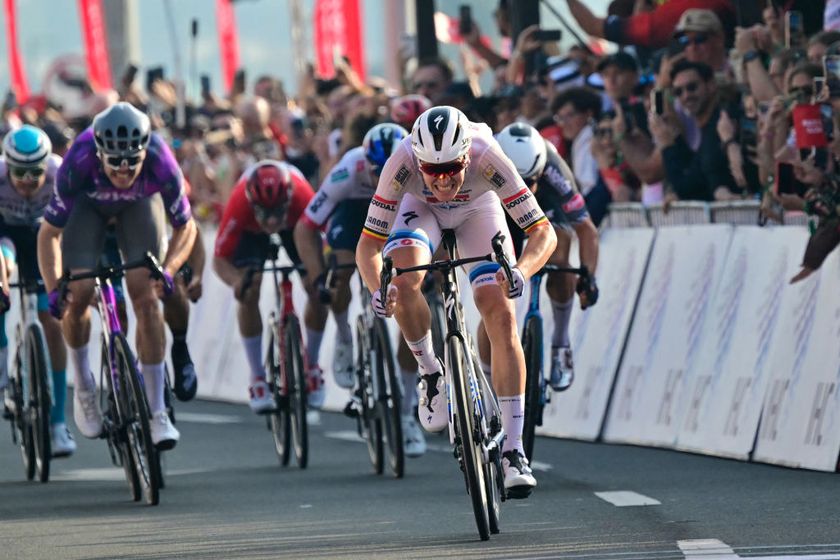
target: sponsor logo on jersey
339 175
575 203
526 219
360 166
400 178
517 199
408 216
558 180
492 175
376 225
387 205
317 202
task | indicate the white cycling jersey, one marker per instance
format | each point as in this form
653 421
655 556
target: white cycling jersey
490 176
349 179
16 210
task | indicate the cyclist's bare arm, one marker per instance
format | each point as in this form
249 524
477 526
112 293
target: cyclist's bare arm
588 244
180 246
308 244
369 261
541 244
49 254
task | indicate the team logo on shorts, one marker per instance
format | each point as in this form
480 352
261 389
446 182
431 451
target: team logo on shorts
494 176
400 178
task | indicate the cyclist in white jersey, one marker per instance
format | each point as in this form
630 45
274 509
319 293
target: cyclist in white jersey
456 173
27 178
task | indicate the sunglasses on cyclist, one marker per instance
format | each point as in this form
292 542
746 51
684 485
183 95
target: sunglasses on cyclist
21 172
263 214
115 162
450 168
690 87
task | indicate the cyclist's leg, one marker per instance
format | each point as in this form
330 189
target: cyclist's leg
7 253
314 320
561 291
82 241
412 241
140 229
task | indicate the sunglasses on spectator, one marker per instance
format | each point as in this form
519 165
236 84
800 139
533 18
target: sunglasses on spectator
449 169
263 214
21 172
603 132
115 162
430 85
800 92
690 87
698 39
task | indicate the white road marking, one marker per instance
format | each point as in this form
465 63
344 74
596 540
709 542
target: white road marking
200 418
110 474
624 498
345 435
708 549
305 506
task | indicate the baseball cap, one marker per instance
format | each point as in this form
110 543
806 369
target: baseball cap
698 20
623 60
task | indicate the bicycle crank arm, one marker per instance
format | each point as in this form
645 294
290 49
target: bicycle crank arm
491 450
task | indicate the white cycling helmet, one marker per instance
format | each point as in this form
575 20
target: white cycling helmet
440 135
525 147
26 146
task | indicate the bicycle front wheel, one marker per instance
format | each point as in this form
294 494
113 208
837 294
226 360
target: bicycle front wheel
296 376
467 435
533 350
389 399
279 420
39 399
113 413
370 426
136 418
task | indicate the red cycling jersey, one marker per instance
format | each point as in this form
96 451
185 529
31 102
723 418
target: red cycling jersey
239 217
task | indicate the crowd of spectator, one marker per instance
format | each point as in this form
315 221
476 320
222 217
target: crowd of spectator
691 106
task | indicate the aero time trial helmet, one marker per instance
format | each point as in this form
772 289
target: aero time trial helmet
26 147
440 135
380 142
406 109
525 147
121 130
270 185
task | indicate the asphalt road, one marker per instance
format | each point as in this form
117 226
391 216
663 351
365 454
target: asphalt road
227 497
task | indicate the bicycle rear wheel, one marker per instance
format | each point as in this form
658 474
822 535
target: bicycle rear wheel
296 376
279 420
136 418
20 424
369 422
533 350
38 408
467 435
389 399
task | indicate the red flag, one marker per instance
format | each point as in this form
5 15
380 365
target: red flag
338 31
19 84
228 40
96 43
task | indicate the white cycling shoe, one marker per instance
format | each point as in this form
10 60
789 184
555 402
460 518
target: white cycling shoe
62 443
562 368
414 442
164 434
343 364
432 409
86 412
519 480
260 398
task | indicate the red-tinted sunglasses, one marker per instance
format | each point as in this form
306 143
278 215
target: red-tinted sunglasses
450 168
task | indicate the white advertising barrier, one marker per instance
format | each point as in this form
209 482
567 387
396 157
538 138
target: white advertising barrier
681 279
800 423
723 395
597 335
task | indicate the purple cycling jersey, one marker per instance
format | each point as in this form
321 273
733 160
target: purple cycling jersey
81 174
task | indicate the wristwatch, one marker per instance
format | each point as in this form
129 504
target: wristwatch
751 55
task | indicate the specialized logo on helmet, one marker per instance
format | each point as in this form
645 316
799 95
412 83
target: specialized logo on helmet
437 121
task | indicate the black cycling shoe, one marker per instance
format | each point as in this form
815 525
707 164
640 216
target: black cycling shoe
186 382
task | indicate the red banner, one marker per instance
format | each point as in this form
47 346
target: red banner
338 32
19 84
96 43
228 41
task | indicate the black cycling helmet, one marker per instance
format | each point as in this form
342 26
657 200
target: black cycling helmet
121 130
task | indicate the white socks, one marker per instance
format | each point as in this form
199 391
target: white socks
253 351
513 421
424 353
82 377
153 380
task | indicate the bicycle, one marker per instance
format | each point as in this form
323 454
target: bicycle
125 410
537 394
475 427
285 367
377 386
29 393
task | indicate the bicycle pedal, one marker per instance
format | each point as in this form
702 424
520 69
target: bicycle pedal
351 410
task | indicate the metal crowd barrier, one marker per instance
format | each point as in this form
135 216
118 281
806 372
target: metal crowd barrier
736 212
679 214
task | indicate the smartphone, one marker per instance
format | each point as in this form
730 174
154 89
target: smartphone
658 101
819 86
794 29
205 85
130 75
747 132
831 66
152 75
239 81
465 22
785 180
548 35
675 47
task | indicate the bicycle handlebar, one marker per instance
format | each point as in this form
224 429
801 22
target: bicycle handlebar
106 273
272 267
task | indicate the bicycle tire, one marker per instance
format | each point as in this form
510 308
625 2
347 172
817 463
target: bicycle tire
35 346
470 452
370 426
112 416
533 349
279 421
23 430
389 400
298 394
493 471
438 323
138 431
